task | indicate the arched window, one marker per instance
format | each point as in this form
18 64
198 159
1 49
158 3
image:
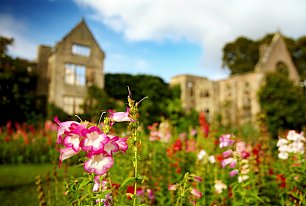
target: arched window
190 87
282 68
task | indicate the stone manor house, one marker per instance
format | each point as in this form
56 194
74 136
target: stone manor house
235 98
67 69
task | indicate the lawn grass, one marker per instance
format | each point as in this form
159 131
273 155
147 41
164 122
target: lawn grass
17 183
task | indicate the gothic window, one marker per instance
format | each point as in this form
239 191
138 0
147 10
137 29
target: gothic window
247 102
190 87
75 74
81 50
204 94
282 68
73 105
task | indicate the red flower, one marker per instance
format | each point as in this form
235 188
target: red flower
271 171
219 158
177 145
203 124
281 179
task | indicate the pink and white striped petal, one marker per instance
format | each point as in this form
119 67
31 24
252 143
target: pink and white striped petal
120 116
72 141
66 153
123 146
62 127
98 164
196 192
94 140
111 146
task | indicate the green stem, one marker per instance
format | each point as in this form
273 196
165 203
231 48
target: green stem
135 165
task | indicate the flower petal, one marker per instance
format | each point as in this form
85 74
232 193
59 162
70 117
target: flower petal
66 153
98 164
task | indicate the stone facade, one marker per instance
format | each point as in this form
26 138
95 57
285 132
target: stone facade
235 98
66 70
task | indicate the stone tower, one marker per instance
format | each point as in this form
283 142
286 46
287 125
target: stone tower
66 70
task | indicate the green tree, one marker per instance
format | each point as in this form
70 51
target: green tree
17 86
158 92
241 55
96 102
283 104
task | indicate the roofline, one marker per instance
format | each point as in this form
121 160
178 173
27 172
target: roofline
74 28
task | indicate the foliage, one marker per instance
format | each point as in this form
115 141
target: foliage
22 143
98 100
17 86
283 104
53 110
241 55
272 181
158 92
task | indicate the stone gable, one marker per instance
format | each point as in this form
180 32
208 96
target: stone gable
235 98
69 68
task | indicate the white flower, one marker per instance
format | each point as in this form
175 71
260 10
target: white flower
283 148
219 186
283 155
242 178
212 159
282 142
201 154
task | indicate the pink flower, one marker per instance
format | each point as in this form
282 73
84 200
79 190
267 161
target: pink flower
197 178
121 142
94 140
225 140
245 154
227 153
233 163
120 116
240 147
227 161
196 192
98 164
99 184
172 187
63 127
233 172
66 153
150 194
193 132
111 146
73 136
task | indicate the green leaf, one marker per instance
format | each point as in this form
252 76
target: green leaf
84 183
126 182
101 195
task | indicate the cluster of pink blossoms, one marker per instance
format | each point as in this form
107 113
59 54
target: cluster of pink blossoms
98 146
240 152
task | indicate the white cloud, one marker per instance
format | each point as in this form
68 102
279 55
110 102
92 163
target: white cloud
13 28
208 23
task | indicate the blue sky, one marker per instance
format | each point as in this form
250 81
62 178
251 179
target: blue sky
160 37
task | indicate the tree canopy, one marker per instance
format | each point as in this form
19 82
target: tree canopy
17 86
283 103
158 92
241 55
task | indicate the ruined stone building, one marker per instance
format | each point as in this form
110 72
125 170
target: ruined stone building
67 69
235 98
